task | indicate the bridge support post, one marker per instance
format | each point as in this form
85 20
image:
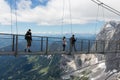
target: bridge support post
96 45
13 42
116 47
16 50
81 45
88 46
46 45
70 48
41 43
103 47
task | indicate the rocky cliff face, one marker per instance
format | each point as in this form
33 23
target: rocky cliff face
109 43
111 34
73 62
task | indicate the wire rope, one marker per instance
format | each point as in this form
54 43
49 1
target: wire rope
62 17
70 16
11 17
16 16
96 21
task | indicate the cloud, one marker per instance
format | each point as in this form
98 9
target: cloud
82 11
24 4
4 13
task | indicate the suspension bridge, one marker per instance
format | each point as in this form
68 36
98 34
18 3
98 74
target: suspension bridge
12 44
15 43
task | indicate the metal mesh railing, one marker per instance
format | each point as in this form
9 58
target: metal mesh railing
17 43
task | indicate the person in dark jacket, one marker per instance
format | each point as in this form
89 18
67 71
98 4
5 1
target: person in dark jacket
28 37
64 43
72 43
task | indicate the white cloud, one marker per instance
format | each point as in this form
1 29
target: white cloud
4 13
24 4
82 11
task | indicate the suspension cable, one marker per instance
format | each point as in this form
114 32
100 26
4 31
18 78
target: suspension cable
11 16
103 14
62 17
107 7
96 20
16 16
97 16
12 37
70 16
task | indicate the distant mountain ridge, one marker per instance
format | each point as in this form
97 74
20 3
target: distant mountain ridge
68 35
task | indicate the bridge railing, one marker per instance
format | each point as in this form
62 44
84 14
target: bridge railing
17 43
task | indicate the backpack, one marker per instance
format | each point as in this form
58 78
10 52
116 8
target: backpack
73 40
25 36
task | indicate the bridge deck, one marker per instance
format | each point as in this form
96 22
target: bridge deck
12 44
40 53
50 53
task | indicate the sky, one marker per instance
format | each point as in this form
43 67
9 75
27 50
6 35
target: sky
54 16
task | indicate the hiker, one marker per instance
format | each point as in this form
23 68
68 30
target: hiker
64 43
72 43
28 37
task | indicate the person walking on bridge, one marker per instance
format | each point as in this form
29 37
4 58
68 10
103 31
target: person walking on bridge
64 43
28 37
72 43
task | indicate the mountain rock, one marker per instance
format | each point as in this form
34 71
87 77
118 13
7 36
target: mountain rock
111 34
108 67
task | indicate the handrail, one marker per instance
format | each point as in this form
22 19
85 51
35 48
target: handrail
54 44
